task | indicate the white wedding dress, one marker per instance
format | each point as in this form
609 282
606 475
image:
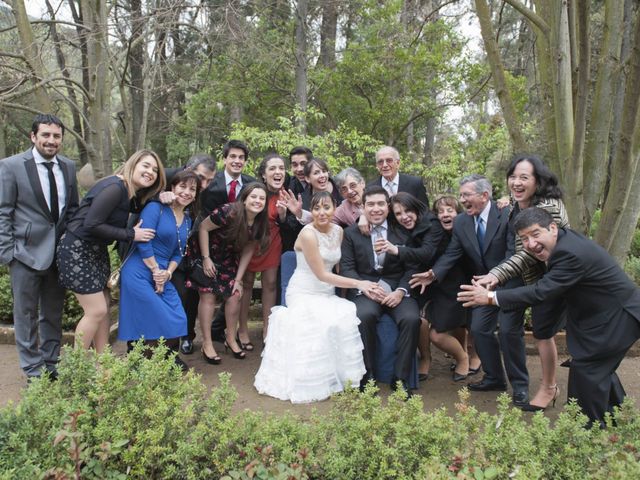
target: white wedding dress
313 347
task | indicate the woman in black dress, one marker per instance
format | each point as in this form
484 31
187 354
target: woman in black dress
82 257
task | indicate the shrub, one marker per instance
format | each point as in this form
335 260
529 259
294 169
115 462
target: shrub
134 417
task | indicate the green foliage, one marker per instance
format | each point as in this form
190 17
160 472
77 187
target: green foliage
140 418
342 147
632 267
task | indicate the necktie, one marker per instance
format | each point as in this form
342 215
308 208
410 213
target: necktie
232 190
480 233
53 193
379 256
391 188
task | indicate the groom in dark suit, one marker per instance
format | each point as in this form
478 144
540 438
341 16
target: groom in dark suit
38 194
603 306
362 260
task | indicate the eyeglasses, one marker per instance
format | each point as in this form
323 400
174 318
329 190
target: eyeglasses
466 195
388 161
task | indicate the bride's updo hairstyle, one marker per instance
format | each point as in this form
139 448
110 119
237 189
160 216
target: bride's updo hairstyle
322 197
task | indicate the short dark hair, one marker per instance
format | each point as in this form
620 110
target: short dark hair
410 203
47 119
301 150
201 159
321 197
546 180
374 190
235 144
187 176
532 216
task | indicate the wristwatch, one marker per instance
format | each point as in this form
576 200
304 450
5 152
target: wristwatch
492 297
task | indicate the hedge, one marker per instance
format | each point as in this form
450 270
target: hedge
114 418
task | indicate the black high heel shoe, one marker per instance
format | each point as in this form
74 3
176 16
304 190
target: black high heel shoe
211 360
241 355
245 346
535 408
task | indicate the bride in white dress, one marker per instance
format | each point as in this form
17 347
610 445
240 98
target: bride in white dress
313 347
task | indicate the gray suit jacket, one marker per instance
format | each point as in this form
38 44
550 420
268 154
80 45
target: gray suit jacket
27 231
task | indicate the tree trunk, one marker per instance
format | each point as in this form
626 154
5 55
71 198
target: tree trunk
301 61
328 32
31 55
596 150
499 80
94 15
136 55
614 232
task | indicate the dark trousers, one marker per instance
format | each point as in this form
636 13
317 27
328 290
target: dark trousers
407 317
190 299
510 340
38 300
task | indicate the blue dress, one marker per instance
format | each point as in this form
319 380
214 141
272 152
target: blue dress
143 312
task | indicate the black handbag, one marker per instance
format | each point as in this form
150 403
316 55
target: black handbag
197 275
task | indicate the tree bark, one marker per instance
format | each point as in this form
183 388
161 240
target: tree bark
328 32
499 80
301 61
596 150
31 54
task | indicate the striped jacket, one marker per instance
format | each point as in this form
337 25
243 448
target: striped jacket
522 263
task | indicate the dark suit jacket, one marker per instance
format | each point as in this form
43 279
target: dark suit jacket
498 244
408 184
358 259
27 230
603 304
216 193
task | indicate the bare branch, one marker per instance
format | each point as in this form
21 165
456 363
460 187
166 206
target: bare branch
530 15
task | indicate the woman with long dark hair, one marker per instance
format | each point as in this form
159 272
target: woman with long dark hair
219 257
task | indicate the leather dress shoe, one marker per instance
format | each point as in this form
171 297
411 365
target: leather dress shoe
488 386
520 398
186 346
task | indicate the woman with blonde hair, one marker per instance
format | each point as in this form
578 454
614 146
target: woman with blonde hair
82 256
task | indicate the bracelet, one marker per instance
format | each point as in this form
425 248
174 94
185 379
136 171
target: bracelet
170 274
205 256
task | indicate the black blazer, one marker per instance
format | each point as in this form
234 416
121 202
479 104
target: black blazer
358 258
216 193
498 244
603 304
408 184
427 242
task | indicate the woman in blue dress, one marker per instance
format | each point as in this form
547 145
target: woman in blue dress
150 307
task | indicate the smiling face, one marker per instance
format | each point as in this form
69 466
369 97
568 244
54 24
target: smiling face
205 175
274 174
185 192
298 162
539 241
255 201
47 140
145 172
352 190
446 214
387 163
376 208
318 178
234 162
405 217
322 213
522 184
472 201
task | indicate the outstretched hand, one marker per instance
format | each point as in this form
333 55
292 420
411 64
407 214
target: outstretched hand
473 295
288 199
423 280
489 281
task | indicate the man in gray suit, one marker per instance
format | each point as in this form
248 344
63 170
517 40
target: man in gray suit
38 194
